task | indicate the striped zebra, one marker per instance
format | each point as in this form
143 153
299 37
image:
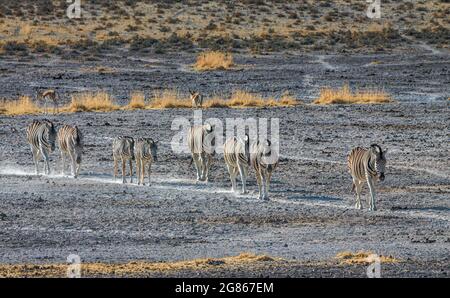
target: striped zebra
123 149
70 141
201 143
236 153
48 95
41 135
196 99
145 152
264 160
366 165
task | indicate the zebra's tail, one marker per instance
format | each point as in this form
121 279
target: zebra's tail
77 136
192 160
353 186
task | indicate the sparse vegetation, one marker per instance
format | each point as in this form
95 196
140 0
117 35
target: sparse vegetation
24 105
362 257
137 100
91 102
132 268
214 60
344 95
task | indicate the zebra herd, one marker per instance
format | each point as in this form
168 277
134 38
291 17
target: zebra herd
366 165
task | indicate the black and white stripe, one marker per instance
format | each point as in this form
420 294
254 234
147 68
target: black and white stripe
264 160
366 165
41 135
145 153
201 143
236 153
70 141
123 149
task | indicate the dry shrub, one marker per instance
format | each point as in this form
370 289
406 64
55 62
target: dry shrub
131 268
362 257
86 102
24 105
137 101
242 98
167 99
214 60
344 95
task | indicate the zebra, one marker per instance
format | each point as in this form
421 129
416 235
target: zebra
236 153
264 161
123 149
70 141
196 99
145 151
201 143
45 95
366 165
41 135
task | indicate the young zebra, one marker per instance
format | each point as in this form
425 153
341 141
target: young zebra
123 149
46 95
236 153
196 99
264 161
41 135
145 151
201 142
366 165
70 141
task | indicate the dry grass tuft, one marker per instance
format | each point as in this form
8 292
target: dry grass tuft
24 105
131 268
169 99
137 101
350 258
241 98
345 96
87 102
214 60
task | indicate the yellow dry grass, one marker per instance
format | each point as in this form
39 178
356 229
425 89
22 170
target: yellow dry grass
137 101
169 99
344 95
87 102
362 257
24 105
214 60
131 268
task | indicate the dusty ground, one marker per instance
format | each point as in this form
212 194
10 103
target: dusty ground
310 217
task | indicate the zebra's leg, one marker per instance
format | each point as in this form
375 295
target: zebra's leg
131 171
73 164
358 187
115 168
138 170
123 171
63 162
207 164
197 163
268 177
264 177
232 179
243 173
35 159
259 181
46 161
372 194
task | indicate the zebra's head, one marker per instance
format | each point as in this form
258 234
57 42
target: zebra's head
379 157
50 134
209 138
153 148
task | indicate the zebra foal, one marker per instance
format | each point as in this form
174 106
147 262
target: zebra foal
201 143
264 161
123 150
366 165
41 135
70 141
236 153
145 152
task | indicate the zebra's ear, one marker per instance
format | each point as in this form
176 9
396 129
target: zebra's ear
191 92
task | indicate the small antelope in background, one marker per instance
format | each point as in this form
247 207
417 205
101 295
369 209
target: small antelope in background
366 165
145 153
48 95
196 98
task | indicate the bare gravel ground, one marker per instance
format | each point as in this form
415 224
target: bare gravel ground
310 217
